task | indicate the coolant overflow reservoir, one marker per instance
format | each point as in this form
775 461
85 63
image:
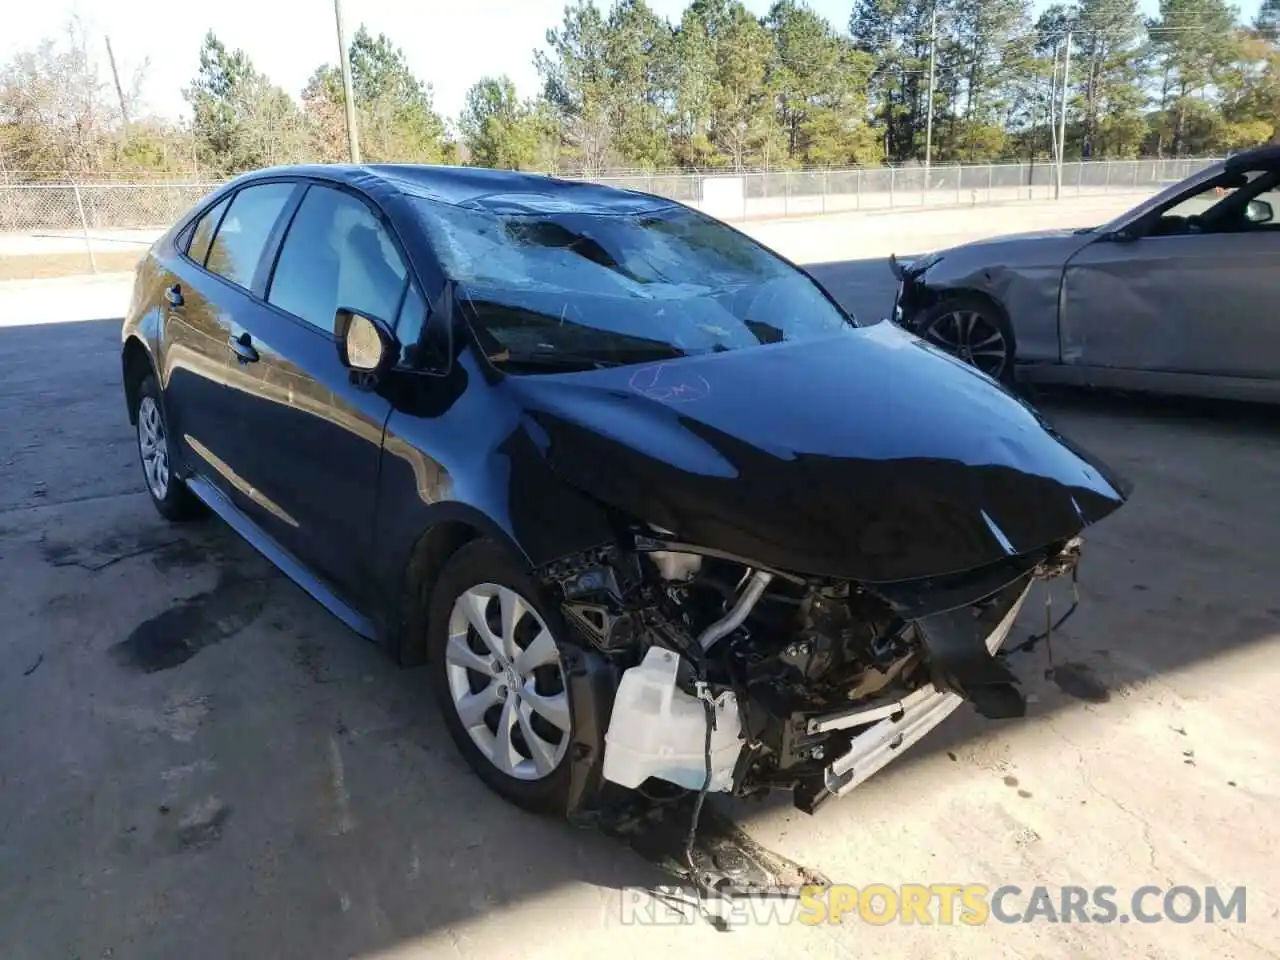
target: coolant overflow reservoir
658 730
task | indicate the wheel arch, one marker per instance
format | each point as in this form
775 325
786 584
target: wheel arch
937 296
135 366
946 294
457 526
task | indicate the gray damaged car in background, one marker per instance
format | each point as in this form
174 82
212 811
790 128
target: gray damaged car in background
1178 295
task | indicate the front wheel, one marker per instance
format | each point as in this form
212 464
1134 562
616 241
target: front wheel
972 329
494 660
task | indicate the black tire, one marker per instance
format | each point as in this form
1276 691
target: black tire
970 327
486 562
174 501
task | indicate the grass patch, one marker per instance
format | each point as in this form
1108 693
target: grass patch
37 266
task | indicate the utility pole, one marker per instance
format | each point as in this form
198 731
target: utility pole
1031 153
353 136
1053 108
115 75
1062 118
928 123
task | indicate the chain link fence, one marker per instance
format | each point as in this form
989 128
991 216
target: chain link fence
110 221
95 206
790 193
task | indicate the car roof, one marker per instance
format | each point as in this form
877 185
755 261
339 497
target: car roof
1266 155
498 191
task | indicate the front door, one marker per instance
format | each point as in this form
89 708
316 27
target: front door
308 440
1193 293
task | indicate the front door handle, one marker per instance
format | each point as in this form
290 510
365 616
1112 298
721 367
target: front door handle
242 346
174 295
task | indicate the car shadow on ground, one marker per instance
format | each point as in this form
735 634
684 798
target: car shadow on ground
273 779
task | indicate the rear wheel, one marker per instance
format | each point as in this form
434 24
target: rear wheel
971 328
494 659
168 493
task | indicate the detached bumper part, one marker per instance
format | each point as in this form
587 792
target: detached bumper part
963 664
876 746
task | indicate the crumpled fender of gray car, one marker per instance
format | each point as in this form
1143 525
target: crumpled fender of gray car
1022 275
1027 296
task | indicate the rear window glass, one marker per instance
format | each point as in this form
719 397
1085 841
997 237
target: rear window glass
242 236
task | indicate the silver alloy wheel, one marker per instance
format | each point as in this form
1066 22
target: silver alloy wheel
152 446
506 681
973 338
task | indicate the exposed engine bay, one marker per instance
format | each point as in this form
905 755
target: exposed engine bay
737 679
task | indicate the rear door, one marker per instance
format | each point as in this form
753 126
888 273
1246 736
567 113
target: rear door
1195 295
307 440
209 287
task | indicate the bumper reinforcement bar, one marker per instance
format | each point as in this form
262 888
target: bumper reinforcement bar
915 715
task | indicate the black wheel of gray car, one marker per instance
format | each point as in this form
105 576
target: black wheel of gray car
155 452
494 659
971 328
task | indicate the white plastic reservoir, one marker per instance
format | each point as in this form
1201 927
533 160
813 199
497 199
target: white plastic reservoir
658 730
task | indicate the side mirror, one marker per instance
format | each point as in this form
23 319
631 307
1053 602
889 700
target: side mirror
366 345
1122 235
1259 211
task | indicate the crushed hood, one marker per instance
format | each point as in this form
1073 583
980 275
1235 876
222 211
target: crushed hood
868 456
1027 235
1034 244
1039 247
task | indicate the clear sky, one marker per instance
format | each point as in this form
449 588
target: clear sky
450 43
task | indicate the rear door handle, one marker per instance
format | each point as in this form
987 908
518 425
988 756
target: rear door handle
174 295
242 346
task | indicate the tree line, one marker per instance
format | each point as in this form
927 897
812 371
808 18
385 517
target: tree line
621 87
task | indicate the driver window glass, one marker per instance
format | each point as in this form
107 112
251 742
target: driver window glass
1199 204
336 254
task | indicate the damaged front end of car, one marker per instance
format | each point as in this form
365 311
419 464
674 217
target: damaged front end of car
815 553
711 673
912 296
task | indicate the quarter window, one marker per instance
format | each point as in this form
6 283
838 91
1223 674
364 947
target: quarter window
203 233
244 231
337 254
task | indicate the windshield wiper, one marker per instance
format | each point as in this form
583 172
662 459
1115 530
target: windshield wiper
607 357
556 359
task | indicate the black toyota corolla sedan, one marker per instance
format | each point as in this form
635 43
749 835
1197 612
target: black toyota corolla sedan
640 498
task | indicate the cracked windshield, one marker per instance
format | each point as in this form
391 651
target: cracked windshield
597 289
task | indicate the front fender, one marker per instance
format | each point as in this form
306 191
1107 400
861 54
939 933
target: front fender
461 455
1028 294
520 503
